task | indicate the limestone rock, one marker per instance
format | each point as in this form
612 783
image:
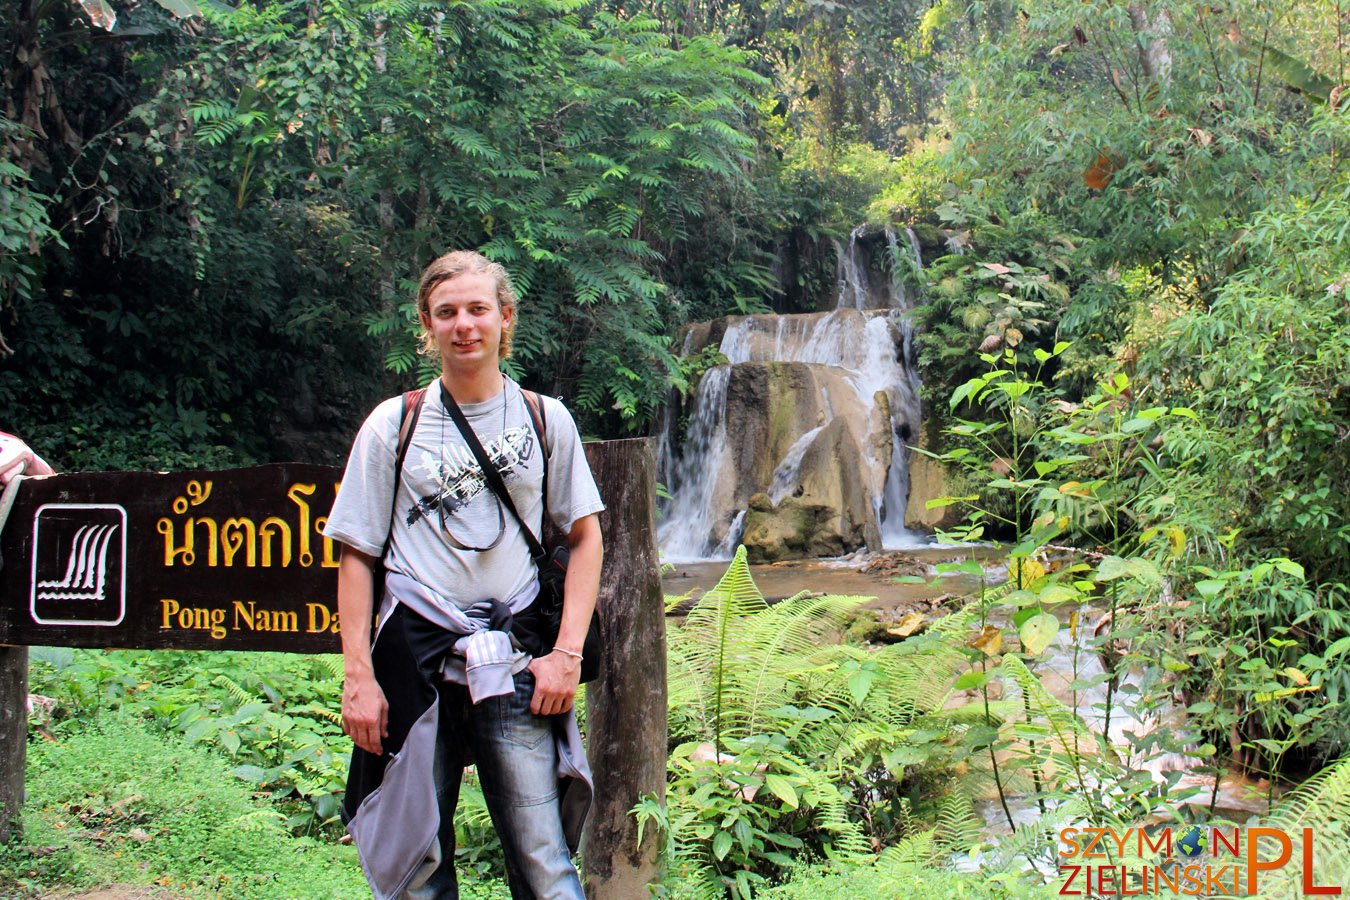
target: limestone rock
827 511
928 480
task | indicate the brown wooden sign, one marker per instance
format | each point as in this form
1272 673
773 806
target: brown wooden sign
228 560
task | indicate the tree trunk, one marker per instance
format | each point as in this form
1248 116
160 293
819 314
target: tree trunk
13 738
1152 32
626 706
385 209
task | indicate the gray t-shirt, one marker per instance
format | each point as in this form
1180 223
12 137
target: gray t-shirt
450 532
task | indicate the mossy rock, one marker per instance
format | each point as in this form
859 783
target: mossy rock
792 530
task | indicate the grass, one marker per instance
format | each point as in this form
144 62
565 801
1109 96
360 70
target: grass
116 801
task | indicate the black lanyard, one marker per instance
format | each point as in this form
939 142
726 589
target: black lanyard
490 474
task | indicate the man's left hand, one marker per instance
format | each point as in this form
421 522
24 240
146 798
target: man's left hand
556 677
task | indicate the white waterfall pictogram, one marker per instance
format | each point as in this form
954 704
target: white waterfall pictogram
87 571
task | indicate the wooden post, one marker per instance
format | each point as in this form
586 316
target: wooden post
626 706
13 738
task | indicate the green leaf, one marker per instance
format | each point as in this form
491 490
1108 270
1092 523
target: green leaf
1337 648
807 714
897 759
963 391
1289 567
859 683
782 789
1210 588
1294 72
1055 594
971 681
1111 568
1145 570
939 502
722 841
1037 633
981 736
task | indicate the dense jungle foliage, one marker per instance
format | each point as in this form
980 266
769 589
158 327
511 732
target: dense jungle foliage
1133 326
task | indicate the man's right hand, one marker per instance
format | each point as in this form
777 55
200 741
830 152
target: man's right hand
365 713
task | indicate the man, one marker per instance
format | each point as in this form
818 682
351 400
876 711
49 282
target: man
444 684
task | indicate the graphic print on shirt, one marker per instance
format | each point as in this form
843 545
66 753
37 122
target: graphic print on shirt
458 477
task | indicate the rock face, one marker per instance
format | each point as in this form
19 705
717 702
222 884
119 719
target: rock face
928 480
826 510
791 444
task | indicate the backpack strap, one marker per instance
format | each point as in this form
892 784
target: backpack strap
410 410
539 419
491 475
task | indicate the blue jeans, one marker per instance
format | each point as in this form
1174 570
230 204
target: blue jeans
517 767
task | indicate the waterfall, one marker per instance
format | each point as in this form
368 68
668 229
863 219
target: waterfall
853 370
895 497
852 272
689 522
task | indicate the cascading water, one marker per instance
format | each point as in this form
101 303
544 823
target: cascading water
895 498
688 525
805 424
852 272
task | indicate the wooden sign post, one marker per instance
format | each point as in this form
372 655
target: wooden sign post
236 560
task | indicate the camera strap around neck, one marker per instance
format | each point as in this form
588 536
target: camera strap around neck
490 473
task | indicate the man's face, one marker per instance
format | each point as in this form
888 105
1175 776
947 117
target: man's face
466 321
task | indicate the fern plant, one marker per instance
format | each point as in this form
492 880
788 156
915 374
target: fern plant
1318 808
788 743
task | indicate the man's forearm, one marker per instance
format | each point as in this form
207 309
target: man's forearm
365 714
355 585
582 584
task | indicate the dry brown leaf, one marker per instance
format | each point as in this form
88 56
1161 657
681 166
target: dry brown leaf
989 641
911 623
1098 176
